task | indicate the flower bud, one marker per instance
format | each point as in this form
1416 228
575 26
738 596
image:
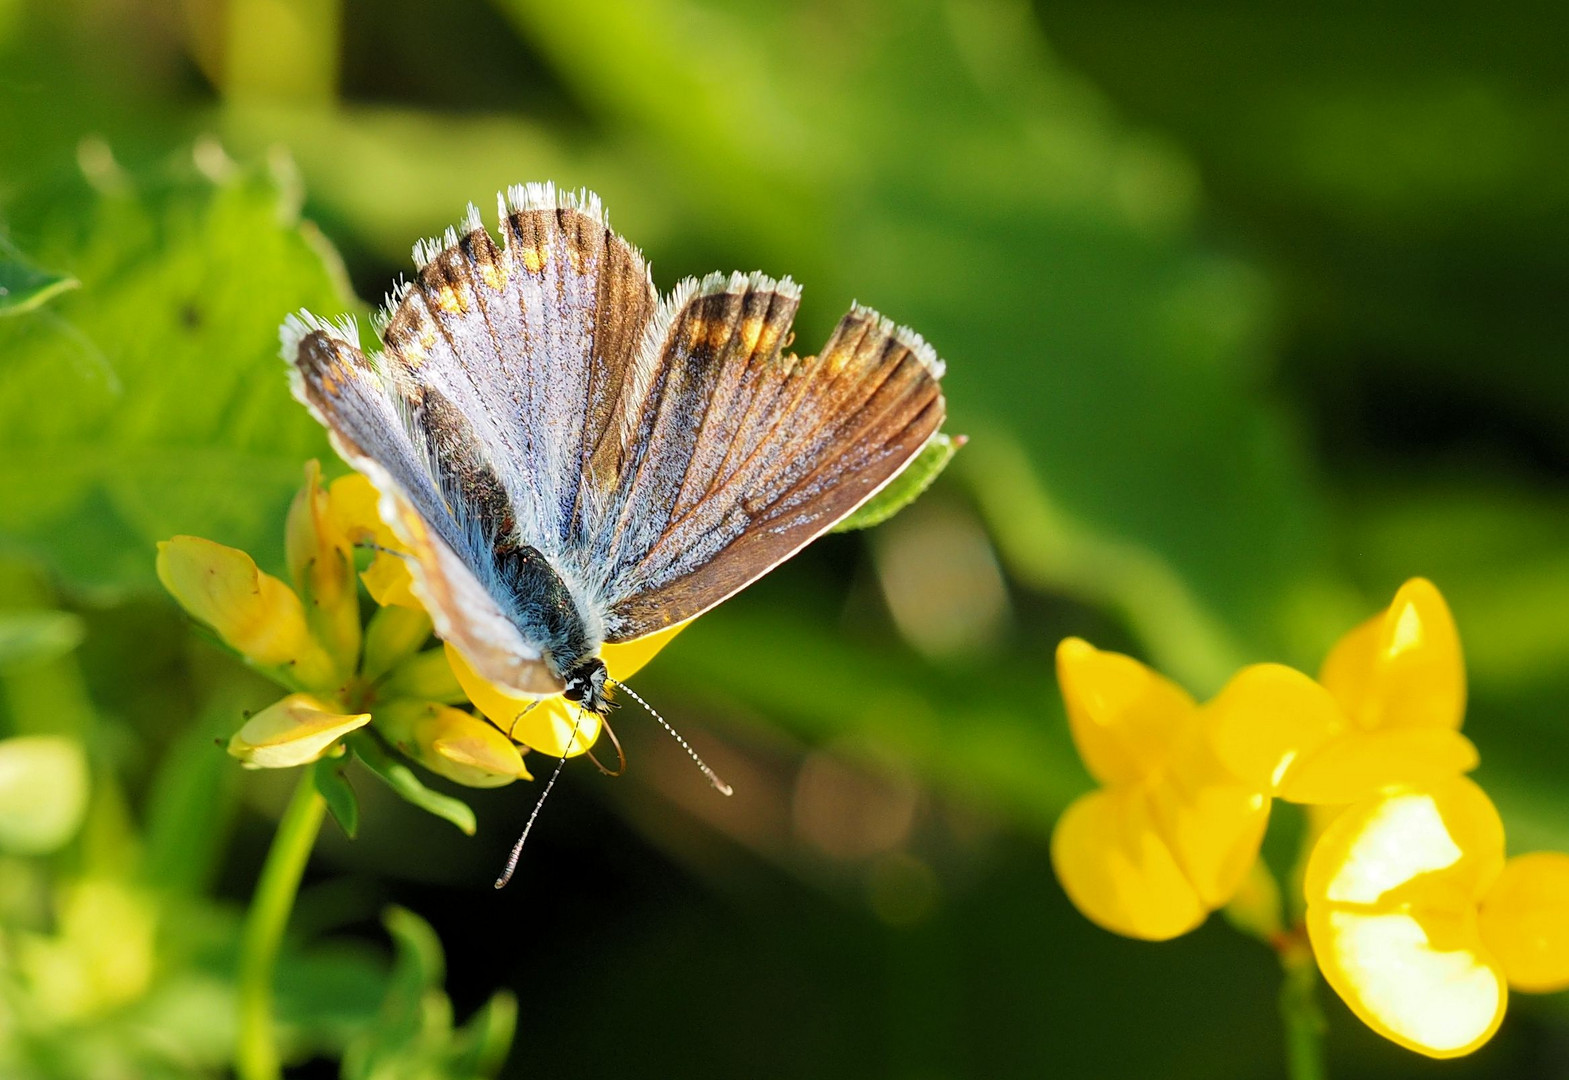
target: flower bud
254 613
426 676
298 730
321 560
451 743
393 635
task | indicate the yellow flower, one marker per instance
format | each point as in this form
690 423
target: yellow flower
1419 924
1172 834
549 724
297 730
451 743
321 561
1391 715
254 613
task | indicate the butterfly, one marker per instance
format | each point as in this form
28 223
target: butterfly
571 459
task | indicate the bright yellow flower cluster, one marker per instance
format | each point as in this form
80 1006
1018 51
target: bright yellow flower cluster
346 674
1413 914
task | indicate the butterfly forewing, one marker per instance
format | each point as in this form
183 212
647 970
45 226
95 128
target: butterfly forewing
531 341
365 412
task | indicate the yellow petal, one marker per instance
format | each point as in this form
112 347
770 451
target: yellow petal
1525 921
295 731
254 613
389 582
1442 846
1360 764
451 743
1214 831
1403 667
1438 1001
321 562
354 514
1124 717
1392 888
544 724
353 509
1266 719
627 659
1118 871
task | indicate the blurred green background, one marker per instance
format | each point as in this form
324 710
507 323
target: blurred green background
1250 314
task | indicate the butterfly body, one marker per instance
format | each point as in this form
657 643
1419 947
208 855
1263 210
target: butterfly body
571 459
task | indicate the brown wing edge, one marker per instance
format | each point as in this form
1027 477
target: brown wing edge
894 437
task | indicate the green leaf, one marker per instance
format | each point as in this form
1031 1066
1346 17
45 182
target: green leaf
30 637
339 793
24 287
153 401
420 965
905 488
485 1041
413 1036
402 780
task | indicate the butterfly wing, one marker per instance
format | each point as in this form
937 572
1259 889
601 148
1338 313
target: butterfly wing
501 370
732 454
661 455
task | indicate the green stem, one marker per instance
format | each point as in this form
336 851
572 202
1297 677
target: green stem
256 1054
1299 1009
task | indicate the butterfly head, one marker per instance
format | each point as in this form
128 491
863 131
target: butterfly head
585 684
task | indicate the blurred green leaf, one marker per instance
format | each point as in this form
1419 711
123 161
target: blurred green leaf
413 1037
153 401
402 780
29 637
482 1045
907 486
191 801
24 287
329 994
339 793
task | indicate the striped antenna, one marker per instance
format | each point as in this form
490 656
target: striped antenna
713 778
517 848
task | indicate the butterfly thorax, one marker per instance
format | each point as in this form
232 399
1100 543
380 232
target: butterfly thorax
542 606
